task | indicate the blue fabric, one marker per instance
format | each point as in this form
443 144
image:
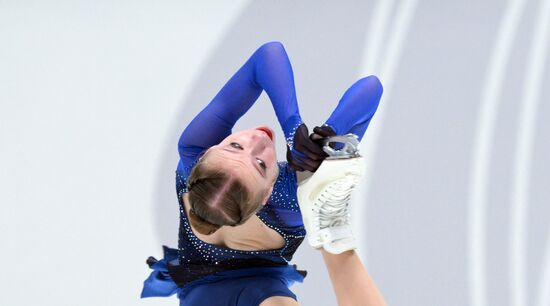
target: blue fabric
356 107
234 287
159 282
242 291
267 69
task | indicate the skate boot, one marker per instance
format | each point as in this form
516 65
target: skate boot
324 197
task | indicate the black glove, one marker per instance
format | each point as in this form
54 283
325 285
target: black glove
306 154
320 132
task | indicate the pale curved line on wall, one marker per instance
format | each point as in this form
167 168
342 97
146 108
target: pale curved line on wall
522 170
403 19
534 76
375 37
484 132
375 34
543 296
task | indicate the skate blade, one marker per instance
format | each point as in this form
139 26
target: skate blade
350 147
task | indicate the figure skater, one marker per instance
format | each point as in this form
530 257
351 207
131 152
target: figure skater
240 222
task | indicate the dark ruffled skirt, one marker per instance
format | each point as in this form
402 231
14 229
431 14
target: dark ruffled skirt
160 283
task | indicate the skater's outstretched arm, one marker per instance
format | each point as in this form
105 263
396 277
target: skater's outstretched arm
269 69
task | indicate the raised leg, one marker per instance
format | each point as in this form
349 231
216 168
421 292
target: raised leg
356 107
352 284
325 195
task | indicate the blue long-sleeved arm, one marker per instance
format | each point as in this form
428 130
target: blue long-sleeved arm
269 69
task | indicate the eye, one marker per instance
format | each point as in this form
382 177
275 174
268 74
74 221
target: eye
262 164
236 145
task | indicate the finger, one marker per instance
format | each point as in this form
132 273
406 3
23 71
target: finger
324 131
315 146
327 129
318 130
315 136
317 139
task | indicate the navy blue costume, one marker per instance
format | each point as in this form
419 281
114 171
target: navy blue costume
205 274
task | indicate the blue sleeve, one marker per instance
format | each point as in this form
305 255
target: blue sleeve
269 69
356 107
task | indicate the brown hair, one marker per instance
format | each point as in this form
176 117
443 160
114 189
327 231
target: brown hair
218 198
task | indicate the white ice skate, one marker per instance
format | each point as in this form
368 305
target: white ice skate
324 197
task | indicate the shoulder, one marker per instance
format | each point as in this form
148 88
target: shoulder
188 159
279 301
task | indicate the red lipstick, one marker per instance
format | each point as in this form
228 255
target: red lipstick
267 131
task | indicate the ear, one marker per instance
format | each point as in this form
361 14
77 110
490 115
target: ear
268 195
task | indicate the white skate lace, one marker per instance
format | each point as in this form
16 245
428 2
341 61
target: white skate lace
331 206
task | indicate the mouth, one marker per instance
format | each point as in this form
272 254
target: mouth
268 131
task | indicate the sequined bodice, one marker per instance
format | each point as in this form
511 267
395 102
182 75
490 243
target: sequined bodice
281 213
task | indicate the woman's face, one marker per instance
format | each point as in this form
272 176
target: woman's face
249 154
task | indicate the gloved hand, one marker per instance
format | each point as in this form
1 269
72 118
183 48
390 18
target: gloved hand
321 132
306 153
